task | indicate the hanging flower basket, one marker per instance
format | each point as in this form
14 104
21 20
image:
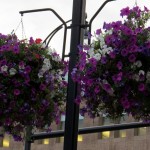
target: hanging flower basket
114 71
32 88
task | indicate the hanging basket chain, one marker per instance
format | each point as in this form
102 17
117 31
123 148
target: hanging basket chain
22 29
135 3
14 31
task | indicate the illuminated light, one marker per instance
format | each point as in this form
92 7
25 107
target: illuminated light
122 134
61 139
105 134
142 131
46 141
5 142
80 138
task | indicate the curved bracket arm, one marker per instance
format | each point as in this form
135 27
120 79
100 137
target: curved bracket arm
44 9
97 12
50 36
53 33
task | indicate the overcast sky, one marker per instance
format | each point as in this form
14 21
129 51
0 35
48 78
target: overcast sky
39 25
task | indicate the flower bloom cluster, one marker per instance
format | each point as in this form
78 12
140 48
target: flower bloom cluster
32 85
114 70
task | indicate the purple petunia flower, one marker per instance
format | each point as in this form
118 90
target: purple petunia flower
21 65
141 87
103 60
80 47
112 55
108 39
98 31
89 82
126 30
93 61
16 92
31 41
45 102
124 52
125 12
118 77
8 121
132 58
126 104
138 30
16 49
17 138
97 89
116 25
119 65
78 100
3 62
89 35
107 26
86 47
141 48
27 69
108 88
42 87
146 9
133 48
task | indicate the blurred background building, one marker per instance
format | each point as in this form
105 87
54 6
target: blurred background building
130 139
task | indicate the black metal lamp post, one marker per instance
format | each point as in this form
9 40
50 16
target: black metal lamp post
72 109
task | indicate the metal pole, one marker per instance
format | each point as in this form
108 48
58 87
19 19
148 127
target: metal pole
27 145
72 109
28 138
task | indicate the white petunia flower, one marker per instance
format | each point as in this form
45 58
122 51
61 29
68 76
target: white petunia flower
97 56
138 63
12 71
4 68
40 74
43 45
141 72
104 46
110 49
136 77
46 60
109 32
91 52
56 58
47 64
82 93
148 76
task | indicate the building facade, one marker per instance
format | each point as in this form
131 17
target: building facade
131 139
